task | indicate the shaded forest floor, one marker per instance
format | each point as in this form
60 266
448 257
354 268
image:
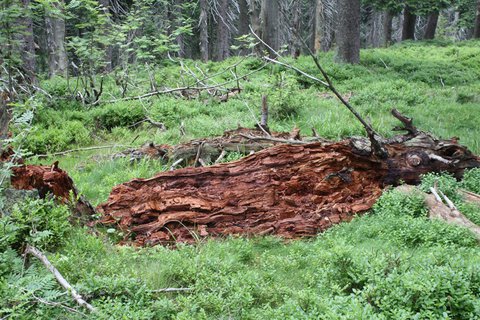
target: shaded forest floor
392 263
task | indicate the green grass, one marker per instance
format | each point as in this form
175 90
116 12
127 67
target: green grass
392 263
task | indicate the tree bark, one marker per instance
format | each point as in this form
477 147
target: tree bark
476 31
431 27
409 21
203 25
387 28
55 27
348 31
270 15
28 44
223 32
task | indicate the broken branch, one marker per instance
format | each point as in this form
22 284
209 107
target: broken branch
61 280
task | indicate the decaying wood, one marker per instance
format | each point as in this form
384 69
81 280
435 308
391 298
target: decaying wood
241 140
439 210
61 280
288 190
51 180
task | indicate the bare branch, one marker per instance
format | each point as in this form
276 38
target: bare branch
61 280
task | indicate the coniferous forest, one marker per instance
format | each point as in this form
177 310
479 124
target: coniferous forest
243 159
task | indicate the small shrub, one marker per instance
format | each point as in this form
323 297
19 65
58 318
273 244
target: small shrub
120 114
471 180
39 222
444 182
53 139
398 204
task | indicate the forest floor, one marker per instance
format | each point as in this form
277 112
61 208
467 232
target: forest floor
392 263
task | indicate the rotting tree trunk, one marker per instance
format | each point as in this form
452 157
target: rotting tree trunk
431 27
409 21
348 31
476 30
55 28
203 26
51 180
287 190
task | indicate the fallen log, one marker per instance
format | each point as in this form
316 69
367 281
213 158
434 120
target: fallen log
287 190
242 140
439 210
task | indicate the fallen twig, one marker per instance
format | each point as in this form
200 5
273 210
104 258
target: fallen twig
61 280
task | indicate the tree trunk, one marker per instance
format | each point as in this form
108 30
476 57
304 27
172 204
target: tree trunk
319 26
431 27
288 190
476 32
295 44
409 21
348 31
243 18
270 15
28 44
387 28
106 28
55 27
203 25
256 24
223 32
5 118
375 34
243 21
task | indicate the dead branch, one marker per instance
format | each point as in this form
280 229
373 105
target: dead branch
407 122
62 153
187 88
61 280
